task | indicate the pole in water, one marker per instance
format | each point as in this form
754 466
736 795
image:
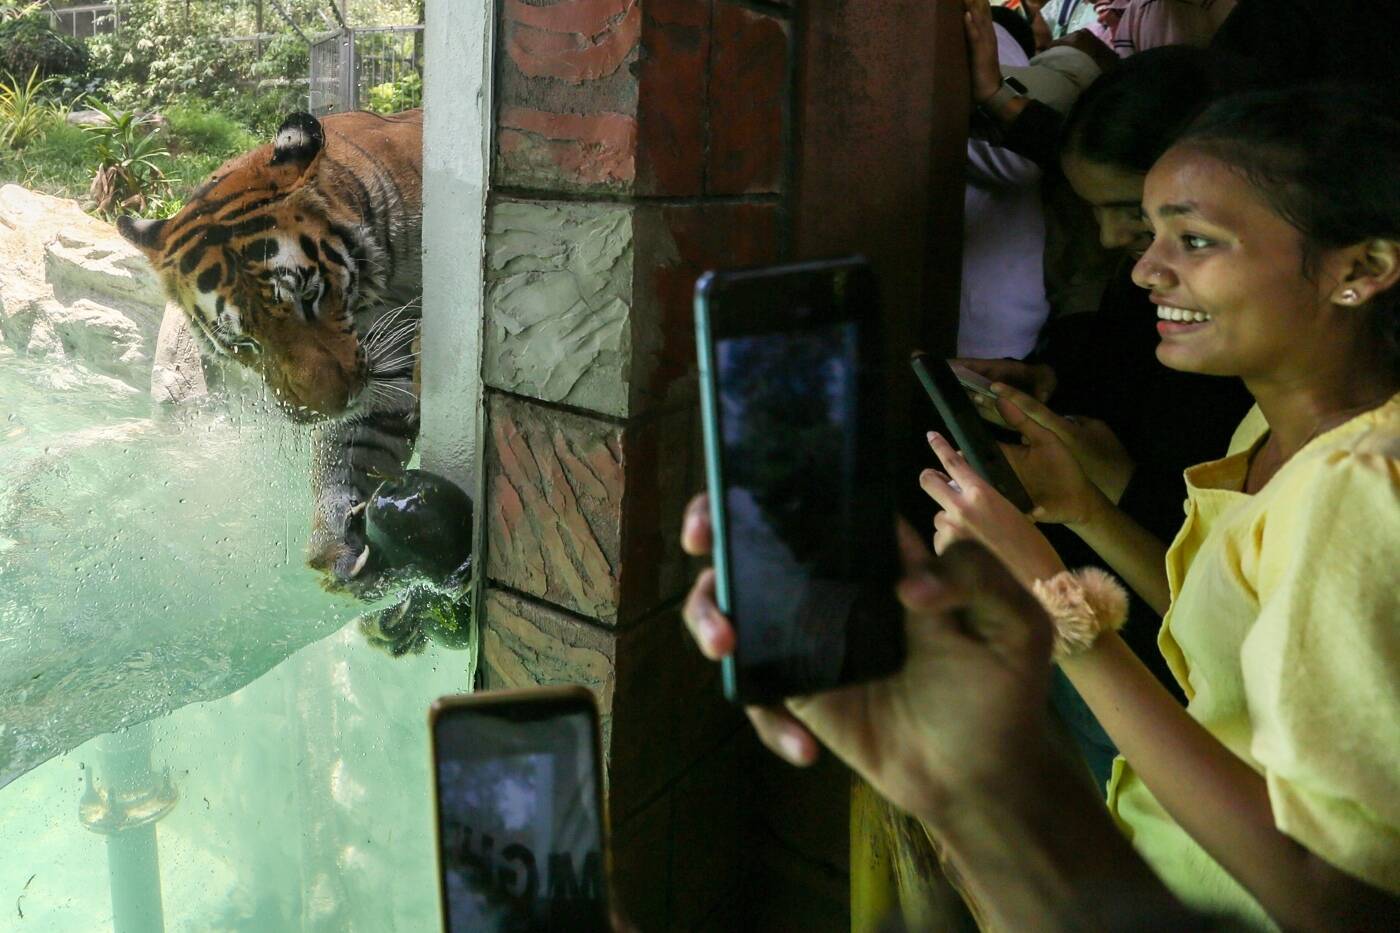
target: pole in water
123 801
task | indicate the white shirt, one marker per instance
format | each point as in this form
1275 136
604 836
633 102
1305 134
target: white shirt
1003 302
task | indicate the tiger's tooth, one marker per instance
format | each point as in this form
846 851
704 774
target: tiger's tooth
360 563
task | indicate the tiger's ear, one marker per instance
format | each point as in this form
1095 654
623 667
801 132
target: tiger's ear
299 140
144 234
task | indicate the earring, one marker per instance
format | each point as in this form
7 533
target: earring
1349 296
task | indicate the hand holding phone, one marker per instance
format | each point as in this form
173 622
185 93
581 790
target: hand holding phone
521 838
793 408
978 446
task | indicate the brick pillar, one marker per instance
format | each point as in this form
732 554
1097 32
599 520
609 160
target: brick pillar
637 143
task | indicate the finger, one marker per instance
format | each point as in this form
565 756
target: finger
946 537
1030 406
697 538
783 735
914 557
954 462
939 488
987 408
708 626
1036 423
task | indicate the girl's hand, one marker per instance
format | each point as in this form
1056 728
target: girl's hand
982 59
1098 456
1036 378
973 509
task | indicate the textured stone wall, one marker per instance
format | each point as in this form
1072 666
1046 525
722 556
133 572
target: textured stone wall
637 143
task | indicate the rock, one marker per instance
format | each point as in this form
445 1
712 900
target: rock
72 288
177 373
79 265
100 336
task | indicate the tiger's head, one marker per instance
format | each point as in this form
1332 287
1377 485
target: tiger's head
265 274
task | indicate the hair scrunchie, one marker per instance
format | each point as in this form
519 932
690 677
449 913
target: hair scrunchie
1083 604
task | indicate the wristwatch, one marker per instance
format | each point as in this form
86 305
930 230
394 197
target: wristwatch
1010 89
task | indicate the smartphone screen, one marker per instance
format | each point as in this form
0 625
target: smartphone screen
519 814
804 523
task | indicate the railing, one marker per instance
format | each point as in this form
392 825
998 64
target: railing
346 64
82 22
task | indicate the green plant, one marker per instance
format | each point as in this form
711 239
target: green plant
57 162
129 153
23 110
403 94
27 44
195 128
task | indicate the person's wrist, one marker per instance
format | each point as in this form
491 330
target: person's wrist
983 91
1092 514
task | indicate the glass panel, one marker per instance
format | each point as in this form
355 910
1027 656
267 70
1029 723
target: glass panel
199 732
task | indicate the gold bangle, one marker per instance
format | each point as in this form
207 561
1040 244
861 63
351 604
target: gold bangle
1083 604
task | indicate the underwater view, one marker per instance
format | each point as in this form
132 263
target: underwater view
194 733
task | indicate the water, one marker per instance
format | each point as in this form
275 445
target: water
151 572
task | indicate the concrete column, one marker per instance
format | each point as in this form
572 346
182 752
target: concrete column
456 146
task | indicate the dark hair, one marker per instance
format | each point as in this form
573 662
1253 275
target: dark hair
1018 26
1130 116
1326 158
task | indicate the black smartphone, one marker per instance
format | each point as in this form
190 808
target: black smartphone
793 406
969 431
520 816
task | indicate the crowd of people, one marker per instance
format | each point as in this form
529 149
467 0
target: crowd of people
1183 277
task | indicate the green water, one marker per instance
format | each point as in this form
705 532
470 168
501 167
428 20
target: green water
152 582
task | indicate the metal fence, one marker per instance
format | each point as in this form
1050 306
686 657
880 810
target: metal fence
83 22
346 64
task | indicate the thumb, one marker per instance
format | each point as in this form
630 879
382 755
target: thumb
1019 412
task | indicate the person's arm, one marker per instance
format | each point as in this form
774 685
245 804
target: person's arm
1218 799
959 739
1029 128
1039 853
1133 552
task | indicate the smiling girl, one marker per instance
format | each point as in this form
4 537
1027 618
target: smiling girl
1275 794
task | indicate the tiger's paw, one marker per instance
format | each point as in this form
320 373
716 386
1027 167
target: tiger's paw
346 561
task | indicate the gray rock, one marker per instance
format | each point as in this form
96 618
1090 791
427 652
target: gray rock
177 372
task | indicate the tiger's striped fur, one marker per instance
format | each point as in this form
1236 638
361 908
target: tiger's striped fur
301 260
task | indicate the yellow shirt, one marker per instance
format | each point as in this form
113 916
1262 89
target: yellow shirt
1284 633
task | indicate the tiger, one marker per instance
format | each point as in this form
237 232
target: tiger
301 260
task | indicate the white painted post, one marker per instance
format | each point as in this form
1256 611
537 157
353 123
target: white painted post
456 161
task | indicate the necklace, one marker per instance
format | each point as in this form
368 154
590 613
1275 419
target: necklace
1268 459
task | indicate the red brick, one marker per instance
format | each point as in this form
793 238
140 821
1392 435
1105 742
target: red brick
554 504
747 97
603 96
585 513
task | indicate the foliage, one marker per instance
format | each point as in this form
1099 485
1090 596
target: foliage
403 94
285 57
23 110
130 173
57 162
263 111
28 44
170 60
194 127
